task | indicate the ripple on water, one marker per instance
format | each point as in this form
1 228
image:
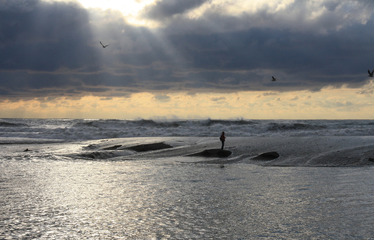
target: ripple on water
147 199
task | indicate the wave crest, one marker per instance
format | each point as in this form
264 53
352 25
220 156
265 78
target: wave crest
294 126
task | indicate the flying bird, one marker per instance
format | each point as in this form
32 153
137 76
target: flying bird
370 74
104 46
273 79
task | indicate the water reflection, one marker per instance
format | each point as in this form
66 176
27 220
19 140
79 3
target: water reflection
146 199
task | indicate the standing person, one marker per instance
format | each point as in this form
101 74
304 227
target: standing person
222 139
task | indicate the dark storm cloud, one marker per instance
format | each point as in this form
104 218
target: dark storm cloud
167 8
340 57
52 49
218 51
44 36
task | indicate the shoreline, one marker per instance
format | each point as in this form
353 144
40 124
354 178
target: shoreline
317 151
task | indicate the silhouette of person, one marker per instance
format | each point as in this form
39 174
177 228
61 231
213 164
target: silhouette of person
222 139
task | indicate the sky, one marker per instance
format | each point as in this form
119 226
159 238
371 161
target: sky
191 59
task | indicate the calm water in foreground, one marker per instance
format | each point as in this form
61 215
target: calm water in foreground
166 199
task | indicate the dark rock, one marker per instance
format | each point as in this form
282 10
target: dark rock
112 148
212 153
150 147
91 146
267 156
97 155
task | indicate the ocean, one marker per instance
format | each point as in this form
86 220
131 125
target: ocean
153 179
89 129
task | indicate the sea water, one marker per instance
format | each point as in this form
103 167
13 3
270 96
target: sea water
79 199
47 194
85 129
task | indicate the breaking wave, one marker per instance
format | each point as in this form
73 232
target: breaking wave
88 129
294 126
11 124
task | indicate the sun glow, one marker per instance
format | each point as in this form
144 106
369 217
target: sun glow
329 103
129 7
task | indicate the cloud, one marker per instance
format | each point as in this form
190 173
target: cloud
168 8
340 105
367 89
52 49
269 94
294 98
218 99
44 36
296 16
162 98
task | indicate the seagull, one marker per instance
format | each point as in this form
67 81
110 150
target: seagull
104 46
370 74
273 79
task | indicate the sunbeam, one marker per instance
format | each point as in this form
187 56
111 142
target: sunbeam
129 9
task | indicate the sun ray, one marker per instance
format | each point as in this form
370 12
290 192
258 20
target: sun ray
130 9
